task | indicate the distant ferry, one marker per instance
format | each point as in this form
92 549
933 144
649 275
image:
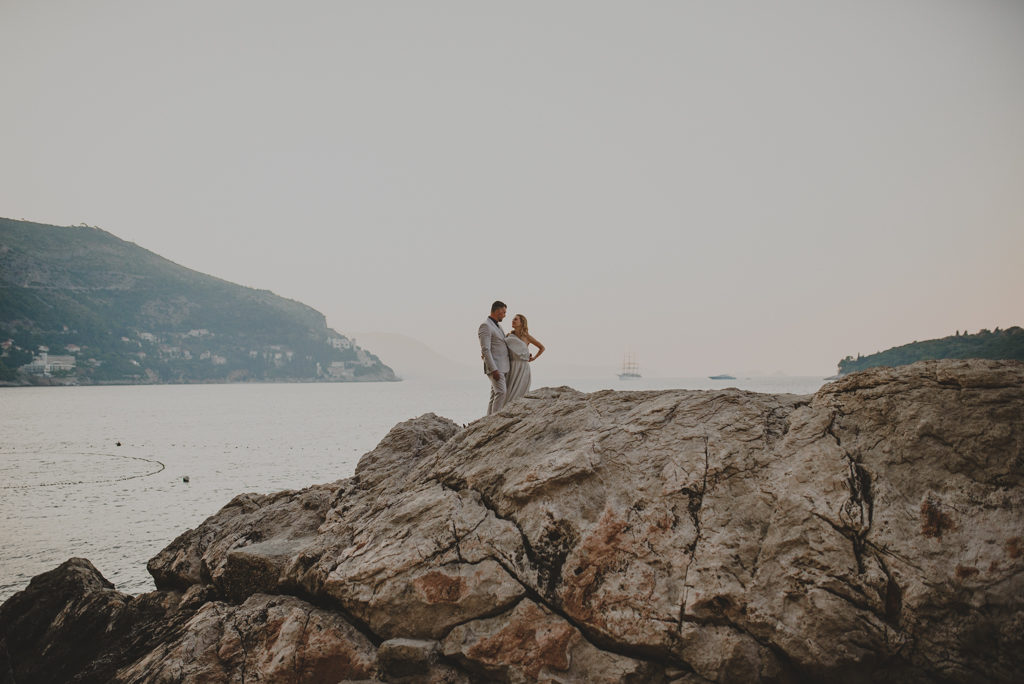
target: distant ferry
722 377
630 368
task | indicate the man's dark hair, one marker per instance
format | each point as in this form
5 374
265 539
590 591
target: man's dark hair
498 305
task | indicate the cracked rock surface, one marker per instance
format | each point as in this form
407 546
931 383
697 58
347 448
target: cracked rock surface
871 532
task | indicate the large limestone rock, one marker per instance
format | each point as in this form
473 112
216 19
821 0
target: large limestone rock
872 532
70 625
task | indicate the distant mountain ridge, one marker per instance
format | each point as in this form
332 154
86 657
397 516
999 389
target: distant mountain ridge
998 344
78 304
413 360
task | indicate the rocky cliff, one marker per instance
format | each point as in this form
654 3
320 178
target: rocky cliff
872 532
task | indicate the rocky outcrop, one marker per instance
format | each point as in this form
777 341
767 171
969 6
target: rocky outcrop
872 532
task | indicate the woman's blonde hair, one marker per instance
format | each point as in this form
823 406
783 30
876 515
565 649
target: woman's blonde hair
524 328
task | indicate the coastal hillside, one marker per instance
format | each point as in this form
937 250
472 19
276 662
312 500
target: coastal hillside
80 306
868 533
986 344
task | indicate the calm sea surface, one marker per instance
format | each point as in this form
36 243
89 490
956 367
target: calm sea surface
68 489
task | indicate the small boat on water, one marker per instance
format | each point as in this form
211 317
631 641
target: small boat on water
722 377
630 368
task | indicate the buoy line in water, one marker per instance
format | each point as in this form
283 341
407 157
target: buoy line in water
112 479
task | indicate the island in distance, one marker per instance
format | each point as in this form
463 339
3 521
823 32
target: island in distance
80 306
1006 345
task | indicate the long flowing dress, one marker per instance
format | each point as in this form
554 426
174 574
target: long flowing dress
518 378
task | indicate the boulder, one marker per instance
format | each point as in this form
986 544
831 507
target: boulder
70 624
264 639
870 532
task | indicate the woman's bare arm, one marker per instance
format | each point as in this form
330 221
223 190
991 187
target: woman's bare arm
535 342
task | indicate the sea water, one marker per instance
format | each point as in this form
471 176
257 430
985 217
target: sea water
100 472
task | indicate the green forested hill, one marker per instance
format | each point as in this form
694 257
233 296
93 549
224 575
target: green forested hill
997 344
119 313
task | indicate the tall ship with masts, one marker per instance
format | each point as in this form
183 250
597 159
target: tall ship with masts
630 367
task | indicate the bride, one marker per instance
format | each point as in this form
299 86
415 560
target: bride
519 341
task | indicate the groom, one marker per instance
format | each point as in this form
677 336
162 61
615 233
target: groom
495 354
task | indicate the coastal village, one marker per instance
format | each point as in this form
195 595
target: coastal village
84 321
188 347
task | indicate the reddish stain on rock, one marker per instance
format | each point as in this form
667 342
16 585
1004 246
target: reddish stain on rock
660 523
438 587
600 551
963 572
933 520
532 640
1014 546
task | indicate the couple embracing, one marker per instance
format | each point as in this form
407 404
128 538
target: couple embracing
506 357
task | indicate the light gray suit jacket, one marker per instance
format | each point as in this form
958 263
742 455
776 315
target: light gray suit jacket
493 347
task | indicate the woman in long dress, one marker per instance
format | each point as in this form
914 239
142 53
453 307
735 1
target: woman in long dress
519 341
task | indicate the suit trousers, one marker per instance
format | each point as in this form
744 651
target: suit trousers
498 391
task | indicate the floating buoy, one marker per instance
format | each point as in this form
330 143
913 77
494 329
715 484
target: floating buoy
185 479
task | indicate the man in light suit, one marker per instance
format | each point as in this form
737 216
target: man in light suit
495 354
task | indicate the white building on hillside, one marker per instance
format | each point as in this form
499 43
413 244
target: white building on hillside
44 364
338 369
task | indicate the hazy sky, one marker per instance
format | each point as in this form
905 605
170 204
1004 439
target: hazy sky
716 186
